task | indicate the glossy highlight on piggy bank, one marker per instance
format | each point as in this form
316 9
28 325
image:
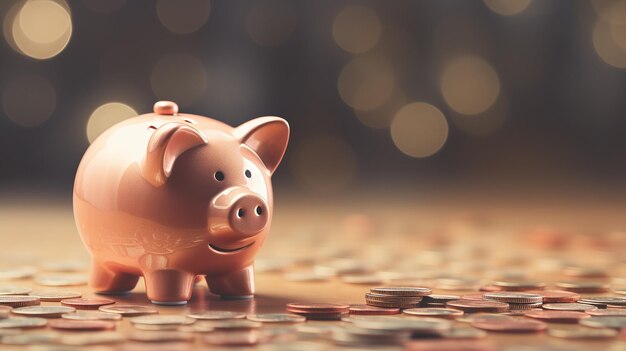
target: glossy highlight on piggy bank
171 196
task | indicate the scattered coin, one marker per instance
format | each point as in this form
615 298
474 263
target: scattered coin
569 307
90 338
607 312
514 297
216 315
512 325
557 316
31 338
552 296
61 280
584 287
613 322
14 290
357 336
371 310
129 310
520 285
473 306
473 296
423 325
276 318
82 325
91 315
55 295
18 301
85 303
43 311
582 333
402 291
231 324
318 311
241 338
162 336
463 333
434 312
604 300
23 322
440 299
167 319
524 306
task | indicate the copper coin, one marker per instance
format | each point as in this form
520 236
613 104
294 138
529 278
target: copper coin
513 325
85 303
317 307
473 296
392 298
551 296
240 338
581 307
557 316
478 306
4 311
129 310
371 310
584 287
82 325
19 301
402 290
449 345
524 306
392 304
607 312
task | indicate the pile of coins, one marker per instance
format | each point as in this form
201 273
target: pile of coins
396 297
319 311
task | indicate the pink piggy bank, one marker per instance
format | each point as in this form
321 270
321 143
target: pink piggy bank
171 196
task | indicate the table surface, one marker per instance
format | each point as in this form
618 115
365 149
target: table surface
470 243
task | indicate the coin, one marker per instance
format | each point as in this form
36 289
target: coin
557 316
425 325
392 298
4 311
434 312
31 338
91 338
371 310
61 280
43 311
473 296
569 307
317 307
400 305
357 336
584 287
520 285
129 310
18 301
276 318
83 325
524 306
402 290
513 297
512 325
241 338
86 315
85 303
463 333
55 295
441 299
478 306
14 290
22 322
162 336
582 333
449 345
167 319
231 324
613 322
604 300
552 296
216 315
607 312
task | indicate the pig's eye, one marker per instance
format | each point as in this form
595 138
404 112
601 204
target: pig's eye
219 176
248 173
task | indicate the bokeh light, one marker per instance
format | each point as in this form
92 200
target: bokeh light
40 29
507 7
29 100
606 47
271 23
178 77
419 129
366 83
107 6
611 11
357 29
469 85
105 116
183 16
324 164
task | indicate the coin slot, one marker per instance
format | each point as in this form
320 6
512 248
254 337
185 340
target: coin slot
189 121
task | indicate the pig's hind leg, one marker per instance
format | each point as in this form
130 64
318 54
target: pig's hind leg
169 286
234 285
107 281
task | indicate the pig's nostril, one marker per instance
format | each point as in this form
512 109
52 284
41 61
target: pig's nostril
259 210
241 213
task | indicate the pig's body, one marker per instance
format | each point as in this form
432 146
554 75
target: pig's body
148 202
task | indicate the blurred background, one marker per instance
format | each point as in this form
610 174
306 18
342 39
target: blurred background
493 97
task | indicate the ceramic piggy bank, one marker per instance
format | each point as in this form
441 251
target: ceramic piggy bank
171 196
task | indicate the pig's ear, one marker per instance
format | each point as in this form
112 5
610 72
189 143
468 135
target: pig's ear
268 137
167 143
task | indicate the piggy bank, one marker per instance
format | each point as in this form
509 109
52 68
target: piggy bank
171 197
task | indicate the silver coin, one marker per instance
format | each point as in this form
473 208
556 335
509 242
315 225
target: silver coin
61 280
409 291
31 338
582 333
88 315
129 310
513 297
43 311
606 300
55 295
433 312
613 322
421 325
18 300
14 290
163 336
276 318
166 319
232 324
90 338
23 322
216 315
569 307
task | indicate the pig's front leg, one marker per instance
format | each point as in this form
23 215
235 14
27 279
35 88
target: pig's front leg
234 285
169 286
106 281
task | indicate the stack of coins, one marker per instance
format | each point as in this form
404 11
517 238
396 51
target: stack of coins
319 311
396 296
516 300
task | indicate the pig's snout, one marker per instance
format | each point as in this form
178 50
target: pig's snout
248 215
